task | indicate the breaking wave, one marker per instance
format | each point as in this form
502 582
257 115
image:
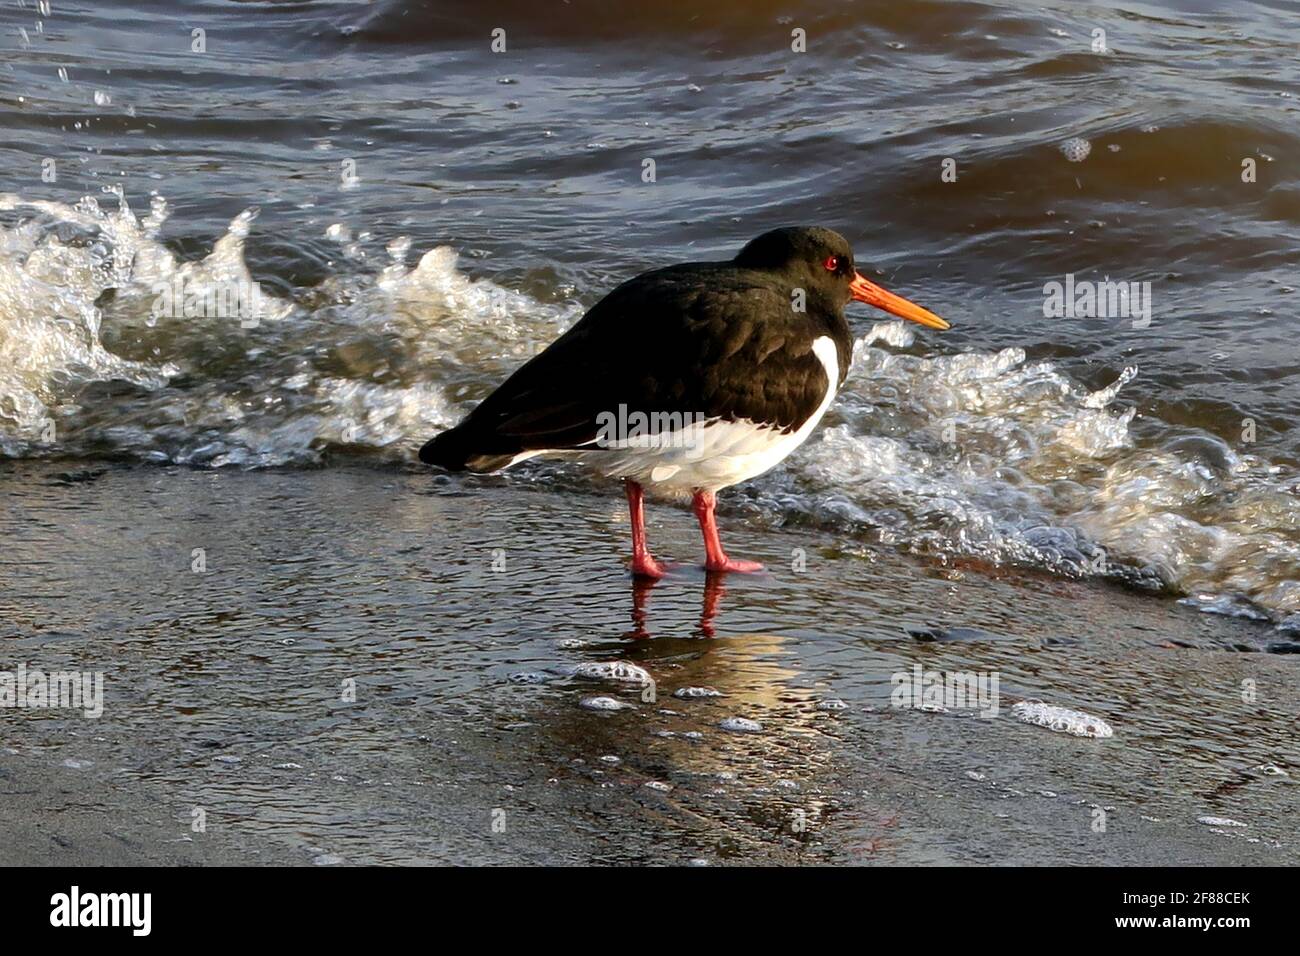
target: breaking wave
978 456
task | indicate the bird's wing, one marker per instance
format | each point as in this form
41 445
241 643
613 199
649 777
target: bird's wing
719 348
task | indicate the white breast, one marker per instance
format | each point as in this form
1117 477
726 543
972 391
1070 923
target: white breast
715 454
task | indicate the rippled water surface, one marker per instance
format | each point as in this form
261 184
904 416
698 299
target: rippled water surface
422 214
472 688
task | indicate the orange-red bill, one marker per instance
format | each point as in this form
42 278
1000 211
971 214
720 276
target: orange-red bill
870 293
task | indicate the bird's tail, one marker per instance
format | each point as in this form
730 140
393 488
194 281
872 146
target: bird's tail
456 450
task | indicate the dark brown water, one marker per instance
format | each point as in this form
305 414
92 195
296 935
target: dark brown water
422 214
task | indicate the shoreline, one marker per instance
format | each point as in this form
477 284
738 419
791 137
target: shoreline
223 690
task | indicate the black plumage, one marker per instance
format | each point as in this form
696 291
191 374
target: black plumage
721 340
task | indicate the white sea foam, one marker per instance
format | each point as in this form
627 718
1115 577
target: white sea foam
604 704
1061 719
1211 821
357 365
691 693
985 455
620 671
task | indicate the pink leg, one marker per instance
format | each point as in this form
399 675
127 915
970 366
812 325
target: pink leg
713 591
715 558
643 564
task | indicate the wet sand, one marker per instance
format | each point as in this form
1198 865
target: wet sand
466 743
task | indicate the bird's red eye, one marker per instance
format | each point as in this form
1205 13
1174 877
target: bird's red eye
832 263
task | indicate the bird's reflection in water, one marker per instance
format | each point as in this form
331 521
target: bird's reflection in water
716 788
714 588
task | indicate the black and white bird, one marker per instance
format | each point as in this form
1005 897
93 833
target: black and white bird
685 380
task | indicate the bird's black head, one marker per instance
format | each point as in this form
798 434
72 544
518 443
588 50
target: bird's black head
806 255
821 261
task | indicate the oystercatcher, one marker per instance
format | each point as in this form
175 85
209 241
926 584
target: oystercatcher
685 380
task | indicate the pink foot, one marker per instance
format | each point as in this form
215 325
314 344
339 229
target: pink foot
644 566
733 564
715 558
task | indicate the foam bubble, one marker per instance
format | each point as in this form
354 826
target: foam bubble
621 671
1061 719
606 704
1076 149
